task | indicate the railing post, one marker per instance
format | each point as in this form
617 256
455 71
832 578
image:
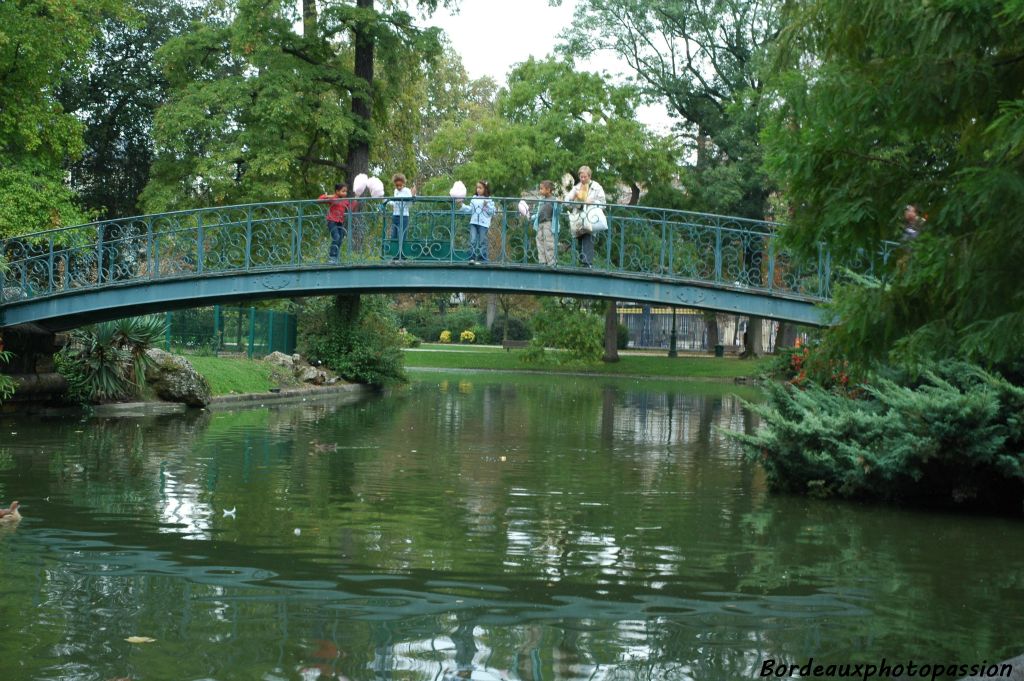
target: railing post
216 328
666 246
270 331
771 262
526 239
622 240
718 251
298 235
24 267
248 237
252 330
99 254
451 234
50 265
200 243
152 261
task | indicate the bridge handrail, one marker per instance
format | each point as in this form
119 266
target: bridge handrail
645 241
381 202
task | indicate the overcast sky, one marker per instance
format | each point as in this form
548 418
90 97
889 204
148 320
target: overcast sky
492 36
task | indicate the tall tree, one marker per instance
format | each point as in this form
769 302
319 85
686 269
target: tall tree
428 99
883 103
702 60
116 99
259 111
40 42
550 120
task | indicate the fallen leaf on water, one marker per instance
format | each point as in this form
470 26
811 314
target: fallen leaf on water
140 639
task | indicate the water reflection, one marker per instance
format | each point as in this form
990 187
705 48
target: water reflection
541 528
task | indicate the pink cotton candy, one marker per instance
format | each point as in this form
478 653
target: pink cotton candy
458 190
359 184
376 187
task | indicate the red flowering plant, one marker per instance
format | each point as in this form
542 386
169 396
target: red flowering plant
809 363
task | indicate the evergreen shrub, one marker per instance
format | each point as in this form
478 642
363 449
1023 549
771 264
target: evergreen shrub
567 326
517 329
954 437
356 337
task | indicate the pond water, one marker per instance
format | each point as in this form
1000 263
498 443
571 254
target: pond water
475 526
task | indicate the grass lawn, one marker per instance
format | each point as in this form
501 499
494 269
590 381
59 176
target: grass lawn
237 375
229 375
490 357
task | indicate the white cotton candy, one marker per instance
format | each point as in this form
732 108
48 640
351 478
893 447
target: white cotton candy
376 187
458 190
524 209
359 184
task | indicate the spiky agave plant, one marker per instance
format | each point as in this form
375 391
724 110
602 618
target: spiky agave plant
111 360
136 335
102 361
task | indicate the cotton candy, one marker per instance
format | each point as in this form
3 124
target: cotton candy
376 187
359 184
524 209
458 190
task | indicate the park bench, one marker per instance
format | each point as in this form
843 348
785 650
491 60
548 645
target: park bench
509 344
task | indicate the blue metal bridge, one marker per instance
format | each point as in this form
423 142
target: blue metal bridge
62 278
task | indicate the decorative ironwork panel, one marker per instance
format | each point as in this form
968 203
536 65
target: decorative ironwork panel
637 241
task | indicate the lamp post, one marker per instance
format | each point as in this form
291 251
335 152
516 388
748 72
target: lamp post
672 337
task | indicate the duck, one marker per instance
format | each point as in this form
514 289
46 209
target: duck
10 515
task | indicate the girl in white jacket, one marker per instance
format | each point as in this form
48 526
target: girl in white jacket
481 210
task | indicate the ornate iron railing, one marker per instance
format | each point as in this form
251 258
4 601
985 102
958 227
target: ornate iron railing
639 241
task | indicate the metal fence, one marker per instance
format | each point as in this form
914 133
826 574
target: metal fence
234 330
637 240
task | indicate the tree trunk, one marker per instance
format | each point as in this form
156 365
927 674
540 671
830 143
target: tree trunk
634 193
753 338
362 98
492 310
309 19
786 336
711 323
611 332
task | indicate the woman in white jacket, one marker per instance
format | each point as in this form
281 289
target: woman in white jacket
586 191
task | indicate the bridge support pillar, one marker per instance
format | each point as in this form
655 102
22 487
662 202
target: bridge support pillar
32 366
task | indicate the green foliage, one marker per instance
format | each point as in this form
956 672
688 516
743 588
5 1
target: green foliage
953 438
425 322
33 198
702 60
408 339
108 361
884 103
358 338
116 98
550 120
518 329
481 334
258 111
7 384
434 100
41 42
568 325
